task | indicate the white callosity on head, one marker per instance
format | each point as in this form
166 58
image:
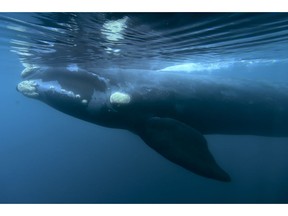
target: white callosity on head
120 98
28 69
28 88
113 30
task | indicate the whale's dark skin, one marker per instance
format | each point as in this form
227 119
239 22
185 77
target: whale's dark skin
169 111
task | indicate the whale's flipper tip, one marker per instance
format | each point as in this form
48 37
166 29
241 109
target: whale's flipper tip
182 145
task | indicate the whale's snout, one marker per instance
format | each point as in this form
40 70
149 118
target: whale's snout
28 88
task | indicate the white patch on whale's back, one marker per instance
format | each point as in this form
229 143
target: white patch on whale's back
120 98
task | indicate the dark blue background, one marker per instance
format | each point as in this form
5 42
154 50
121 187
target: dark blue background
49 157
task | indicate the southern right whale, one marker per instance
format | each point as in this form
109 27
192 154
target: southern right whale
169 111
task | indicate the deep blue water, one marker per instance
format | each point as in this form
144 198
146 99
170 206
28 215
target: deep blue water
49 157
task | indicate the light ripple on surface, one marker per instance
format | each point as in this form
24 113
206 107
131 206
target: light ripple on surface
146 40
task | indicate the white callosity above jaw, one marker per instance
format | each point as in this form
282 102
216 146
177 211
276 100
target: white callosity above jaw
120 98
28 70
28 88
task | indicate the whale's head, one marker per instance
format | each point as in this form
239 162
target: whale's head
69 92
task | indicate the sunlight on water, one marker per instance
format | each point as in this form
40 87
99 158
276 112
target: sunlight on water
191 67
196 67
165 42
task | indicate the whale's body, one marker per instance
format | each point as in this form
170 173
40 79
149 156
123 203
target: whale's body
169 111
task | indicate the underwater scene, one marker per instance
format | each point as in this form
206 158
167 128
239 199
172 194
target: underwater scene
144 108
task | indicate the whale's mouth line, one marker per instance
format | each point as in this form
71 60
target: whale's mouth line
38 89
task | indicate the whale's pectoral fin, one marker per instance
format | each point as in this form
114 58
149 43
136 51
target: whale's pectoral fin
182 145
